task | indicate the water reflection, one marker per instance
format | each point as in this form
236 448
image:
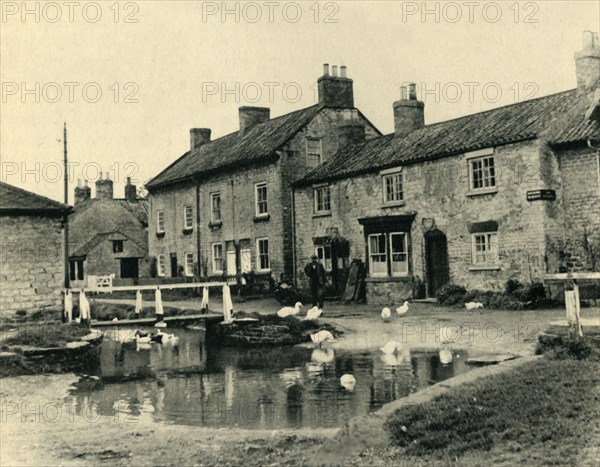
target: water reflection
250 388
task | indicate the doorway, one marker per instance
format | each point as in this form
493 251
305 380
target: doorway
129 268
436 261
174 271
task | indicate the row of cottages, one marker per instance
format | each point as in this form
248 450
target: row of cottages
32 264
108 236
224 208
510 193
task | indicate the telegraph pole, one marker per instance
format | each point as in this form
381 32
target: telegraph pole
66 201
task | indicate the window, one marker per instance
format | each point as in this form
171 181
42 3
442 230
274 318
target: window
117 246
262 246
76 269
260 194
382 264
323 253
160 221
215 207
392 188
322 199
484 248
217 259
160 265
377 255
189 264
313 152
483 173
399 254
188 217
246 260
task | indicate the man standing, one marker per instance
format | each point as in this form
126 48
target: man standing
315 272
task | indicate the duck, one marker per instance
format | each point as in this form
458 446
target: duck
473 305
321 337
402 309
348 382
289 310
313 314
165 338
445 356
386 314
391 347
160 324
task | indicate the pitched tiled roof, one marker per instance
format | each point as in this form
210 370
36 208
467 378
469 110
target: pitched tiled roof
138 208
509 124
15 200
87 247
233 150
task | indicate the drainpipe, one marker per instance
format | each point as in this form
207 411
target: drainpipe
293 208
198 243
597 148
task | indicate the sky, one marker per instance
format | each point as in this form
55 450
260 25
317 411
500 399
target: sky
131 78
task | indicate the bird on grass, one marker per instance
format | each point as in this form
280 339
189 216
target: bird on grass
321 337
386 314
289 310
473 305
348 382
402 309
313 314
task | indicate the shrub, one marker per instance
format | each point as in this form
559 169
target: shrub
451 294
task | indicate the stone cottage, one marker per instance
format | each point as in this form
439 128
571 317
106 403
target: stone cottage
510 193
32 263
224 208
108 236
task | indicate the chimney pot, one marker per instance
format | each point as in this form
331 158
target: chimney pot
334 71
252 116
82 193
335 92
104 188
130 191
409 112
325 69
198 137
342 71
587 61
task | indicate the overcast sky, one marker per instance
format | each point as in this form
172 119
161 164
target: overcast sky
179 65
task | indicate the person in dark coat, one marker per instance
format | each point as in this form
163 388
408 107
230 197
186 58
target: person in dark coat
315 272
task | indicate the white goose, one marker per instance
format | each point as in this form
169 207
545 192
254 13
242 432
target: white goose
445 356
402 309
321 337
473 305
386 314
289 310
313 314
348 382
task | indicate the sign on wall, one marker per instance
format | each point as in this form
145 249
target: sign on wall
543 195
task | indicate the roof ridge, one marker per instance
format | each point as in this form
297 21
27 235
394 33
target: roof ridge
34 195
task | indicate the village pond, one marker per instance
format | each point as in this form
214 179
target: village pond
194 384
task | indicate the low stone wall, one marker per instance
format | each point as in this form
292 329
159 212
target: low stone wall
387 293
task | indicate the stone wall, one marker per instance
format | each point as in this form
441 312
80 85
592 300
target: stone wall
32 268
439 191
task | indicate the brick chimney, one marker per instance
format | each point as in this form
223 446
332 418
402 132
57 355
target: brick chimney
104 187
82 192
252 116
409 113
130 191
349 134
198 137
587 61
334 90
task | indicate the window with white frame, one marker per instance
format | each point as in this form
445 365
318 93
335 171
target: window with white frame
484 247
160 265
215 207
217 257
482 172
260 197
323 253
388 254
313 152
246 260
262 259
399 254
188 217
322 198
392 187
189 264
160 221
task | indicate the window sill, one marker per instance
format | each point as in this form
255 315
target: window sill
388 279
262 218
215 225
160 234
483 191
322 214
395 204
262 272
187 231
484 268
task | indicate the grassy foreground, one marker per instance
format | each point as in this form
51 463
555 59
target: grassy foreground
545 412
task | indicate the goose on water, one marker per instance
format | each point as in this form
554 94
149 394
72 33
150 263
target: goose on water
289 310
313 313
321 337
